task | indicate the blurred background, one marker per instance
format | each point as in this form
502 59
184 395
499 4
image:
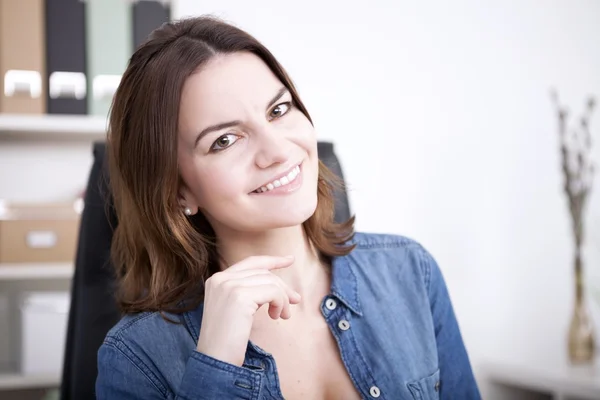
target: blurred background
441 117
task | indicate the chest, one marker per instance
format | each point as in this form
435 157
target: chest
308 361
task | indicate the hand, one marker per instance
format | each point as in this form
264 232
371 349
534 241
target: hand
231 299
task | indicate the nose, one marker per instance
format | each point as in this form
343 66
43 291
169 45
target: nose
272 148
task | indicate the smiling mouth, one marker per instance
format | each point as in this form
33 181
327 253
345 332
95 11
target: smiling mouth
283 181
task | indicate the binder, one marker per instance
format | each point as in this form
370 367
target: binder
147 16
65 57
22 54
109 46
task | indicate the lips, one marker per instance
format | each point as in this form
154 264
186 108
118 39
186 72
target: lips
279 181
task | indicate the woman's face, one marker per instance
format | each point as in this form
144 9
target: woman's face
247 155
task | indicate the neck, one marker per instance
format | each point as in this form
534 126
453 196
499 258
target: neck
300 276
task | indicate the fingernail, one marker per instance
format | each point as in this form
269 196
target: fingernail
289 257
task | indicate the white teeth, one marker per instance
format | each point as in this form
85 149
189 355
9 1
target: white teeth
281 181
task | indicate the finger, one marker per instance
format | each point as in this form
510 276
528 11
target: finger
270 294
223 277
264 278
294 296
278 305
262 262
246 273
286 311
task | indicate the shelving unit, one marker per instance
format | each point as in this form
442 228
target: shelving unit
16 277
12 272
44 127
13 381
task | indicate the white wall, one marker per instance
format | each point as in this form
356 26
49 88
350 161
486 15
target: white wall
441 115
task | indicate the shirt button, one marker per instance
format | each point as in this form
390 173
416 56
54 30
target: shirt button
437 386
331 304
374 391
344 325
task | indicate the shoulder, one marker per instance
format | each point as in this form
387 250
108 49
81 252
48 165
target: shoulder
385 256
145 354
138 331
148 342
132 322
375 241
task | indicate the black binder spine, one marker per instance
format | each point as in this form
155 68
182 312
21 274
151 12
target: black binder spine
147 16
65 57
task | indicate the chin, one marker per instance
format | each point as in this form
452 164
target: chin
290 216
283 217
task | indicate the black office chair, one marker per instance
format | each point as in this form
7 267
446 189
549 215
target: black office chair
93 307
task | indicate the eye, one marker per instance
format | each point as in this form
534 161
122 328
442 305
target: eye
280 110
224 142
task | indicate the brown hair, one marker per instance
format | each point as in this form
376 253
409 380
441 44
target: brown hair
162 258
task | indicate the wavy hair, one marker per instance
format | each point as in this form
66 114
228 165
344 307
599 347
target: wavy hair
162 258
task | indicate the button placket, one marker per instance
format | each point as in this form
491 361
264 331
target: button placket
334 311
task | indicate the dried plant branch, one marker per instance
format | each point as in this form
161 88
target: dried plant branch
577 167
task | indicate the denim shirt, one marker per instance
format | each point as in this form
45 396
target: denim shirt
388 309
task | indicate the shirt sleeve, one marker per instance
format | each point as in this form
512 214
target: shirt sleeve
456 376
124 376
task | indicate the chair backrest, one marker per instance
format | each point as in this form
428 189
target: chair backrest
93 308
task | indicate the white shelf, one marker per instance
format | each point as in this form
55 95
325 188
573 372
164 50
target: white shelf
14 381
43 126
558 378
13 272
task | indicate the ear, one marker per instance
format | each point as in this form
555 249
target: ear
186 200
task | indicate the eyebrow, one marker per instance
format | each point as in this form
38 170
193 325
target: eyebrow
230 124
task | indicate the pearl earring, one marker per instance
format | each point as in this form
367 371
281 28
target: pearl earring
187 211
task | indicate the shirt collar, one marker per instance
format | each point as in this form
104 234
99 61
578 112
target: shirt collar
344 284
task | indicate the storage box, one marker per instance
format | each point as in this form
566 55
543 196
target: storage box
22 57
38 233
43 317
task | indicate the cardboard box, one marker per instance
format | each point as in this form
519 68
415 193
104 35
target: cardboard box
38 233
22 57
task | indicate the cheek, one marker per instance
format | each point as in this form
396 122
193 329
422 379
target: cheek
216 185
304 134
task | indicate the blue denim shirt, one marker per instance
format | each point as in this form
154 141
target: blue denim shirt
391 316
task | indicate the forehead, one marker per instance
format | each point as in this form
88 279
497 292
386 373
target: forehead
230 80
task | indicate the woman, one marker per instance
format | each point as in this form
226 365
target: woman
235 282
